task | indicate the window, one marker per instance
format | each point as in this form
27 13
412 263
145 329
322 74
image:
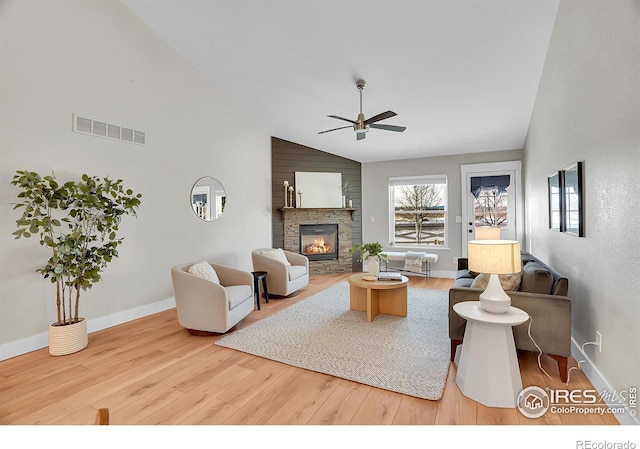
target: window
490 206
418 210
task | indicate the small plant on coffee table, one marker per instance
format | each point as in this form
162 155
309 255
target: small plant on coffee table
368 250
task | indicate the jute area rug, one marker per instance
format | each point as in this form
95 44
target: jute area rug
406 355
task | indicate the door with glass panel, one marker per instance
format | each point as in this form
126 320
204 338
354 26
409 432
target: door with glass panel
491 196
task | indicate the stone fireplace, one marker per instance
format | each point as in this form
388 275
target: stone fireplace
321 234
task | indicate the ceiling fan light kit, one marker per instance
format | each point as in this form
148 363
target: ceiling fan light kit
361 126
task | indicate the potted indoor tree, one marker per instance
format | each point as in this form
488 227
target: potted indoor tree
78 222
371 253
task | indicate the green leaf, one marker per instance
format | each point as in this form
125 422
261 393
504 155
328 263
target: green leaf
91 208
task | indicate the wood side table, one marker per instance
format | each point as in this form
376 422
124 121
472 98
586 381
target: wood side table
375 297
488 370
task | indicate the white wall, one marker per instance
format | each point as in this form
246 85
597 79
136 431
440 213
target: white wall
375 198
98 59
588 109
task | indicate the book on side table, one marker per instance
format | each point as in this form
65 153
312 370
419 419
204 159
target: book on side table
389 276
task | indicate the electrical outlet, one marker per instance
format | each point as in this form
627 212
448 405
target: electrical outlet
599 341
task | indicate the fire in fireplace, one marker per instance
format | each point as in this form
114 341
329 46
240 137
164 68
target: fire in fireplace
319 241
318 246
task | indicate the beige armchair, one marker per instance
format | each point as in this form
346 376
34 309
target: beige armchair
282 279
206 307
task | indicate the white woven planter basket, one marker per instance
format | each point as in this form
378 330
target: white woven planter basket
68 339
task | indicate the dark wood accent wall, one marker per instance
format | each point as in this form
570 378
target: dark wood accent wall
287 158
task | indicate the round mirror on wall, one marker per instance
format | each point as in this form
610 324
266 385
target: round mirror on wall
208 198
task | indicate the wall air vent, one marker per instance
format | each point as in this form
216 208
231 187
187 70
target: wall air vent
85 125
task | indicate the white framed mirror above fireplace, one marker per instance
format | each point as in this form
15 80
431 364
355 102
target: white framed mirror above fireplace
318 189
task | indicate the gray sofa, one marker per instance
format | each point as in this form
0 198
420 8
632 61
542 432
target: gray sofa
542 294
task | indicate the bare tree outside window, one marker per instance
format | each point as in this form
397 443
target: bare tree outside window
491 208
419 214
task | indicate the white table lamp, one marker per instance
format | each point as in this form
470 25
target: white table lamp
494 257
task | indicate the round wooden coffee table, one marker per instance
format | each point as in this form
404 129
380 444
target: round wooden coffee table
375 297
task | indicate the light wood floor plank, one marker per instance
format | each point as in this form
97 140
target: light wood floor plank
276 396
205 395
379 407
532 376
214 412
453 406
495 416
304 403
416 411
135 410
264 374
184 409
151 371
340 407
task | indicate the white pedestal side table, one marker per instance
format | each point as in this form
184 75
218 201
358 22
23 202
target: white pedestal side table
488 370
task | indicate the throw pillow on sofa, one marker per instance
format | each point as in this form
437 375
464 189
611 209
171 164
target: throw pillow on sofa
205 271
536 279
277 254
509 282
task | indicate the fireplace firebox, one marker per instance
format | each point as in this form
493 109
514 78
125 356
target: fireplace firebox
319 241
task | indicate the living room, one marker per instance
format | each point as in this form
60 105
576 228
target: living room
61 58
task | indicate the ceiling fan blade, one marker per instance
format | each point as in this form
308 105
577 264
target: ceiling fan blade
389 127
360 136
335 129
342 118
382 116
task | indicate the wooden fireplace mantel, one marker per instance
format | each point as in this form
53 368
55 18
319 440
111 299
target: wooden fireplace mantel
285 210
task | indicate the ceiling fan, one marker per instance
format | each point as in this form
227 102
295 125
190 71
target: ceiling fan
361 126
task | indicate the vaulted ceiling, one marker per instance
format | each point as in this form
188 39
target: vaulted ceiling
461 75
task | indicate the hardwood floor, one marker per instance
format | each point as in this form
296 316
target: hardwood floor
151 371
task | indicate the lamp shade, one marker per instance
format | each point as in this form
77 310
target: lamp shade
494 256
487 233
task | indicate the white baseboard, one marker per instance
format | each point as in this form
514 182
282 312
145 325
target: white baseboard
599 382
35 342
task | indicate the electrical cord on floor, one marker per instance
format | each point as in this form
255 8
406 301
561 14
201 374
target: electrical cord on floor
581 361
539 350
540 354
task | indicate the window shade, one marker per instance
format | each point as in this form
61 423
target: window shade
500 183
417 180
